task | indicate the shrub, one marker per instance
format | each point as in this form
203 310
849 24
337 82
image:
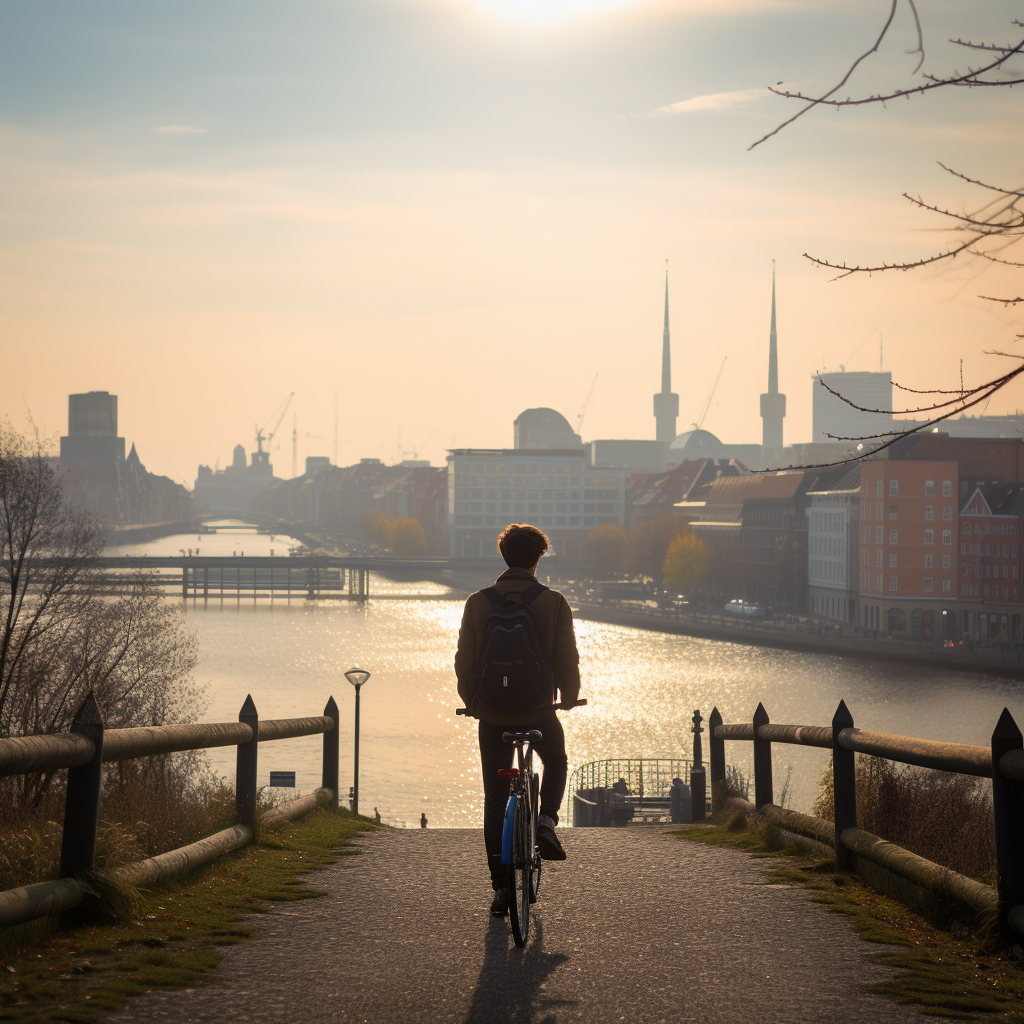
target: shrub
944 817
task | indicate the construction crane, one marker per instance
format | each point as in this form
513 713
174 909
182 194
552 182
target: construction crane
711 394
586 402
269 429
416 449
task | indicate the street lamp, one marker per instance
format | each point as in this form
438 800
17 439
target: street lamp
356 676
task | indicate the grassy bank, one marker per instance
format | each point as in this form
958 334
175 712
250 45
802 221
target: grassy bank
172 937
954 975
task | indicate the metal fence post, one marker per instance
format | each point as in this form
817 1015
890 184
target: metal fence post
716 754
762 761
330 774
1008 810
82 799
698 777
245 766
844 785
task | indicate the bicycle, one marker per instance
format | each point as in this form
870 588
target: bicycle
519 851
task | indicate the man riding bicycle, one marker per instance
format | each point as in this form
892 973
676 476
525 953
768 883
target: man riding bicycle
546 624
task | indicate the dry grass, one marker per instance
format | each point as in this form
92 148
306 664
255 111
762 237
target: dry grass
148 806
944 817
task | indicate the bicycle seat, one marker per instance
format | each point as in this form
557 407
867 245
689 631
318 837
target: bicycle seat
518 737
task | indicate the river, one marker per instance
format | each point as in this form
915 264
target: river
642 687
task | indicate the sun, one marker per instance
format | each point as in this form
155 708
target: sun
541 12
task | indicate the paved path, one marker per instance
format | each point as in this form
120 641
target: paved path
637 926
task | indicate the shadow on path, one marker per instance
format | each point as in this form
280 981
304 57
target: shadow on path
509 987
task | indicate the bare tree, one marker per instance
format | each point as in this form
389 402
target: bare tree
987 232
60 636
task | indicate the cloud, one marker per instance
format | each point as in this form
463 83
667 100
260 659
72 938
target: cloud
714 101
179 129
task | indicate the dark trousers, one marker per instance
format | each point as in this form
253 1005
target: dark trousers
496 754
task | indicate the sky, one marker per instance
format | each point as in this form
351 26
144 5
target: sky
448 211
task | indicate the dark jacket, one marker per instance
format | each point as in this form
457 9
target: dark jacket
554 631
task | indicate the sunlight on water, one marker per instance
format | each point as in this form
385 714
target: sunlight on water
417 756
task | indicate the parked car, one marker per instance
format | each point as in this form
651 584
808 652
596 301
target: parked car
744 609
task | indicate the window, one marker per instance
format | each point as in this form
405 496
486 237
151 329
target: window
892 559
963 549
878 535
967 527
897 622
878 488
878 510
945 586
988 549
893 536
878 557
929 561
963 589
929 536
964 568
947 536
947 511
947 488
977 527
893 583
946 562
878 581
929 488
985 589
929 584
929 511
1004 551
893 512
894 488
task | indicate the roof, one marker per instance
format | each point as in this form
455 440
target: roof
734 490
843 479
697 441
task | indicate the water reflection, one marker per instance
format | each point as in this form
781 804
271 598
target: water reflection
416 756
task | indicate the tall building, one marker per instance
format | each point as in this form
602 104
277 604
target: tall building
558 490
666 404
773 404
832 418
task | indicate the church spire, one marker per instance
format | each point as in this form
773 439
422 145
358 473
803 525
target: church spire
666 349
773 347
773 404
666 404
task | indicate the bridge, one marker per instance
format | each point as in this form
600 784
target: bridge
314 577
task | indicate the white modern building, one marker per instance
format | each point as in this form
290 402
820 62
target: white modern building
833 525
556 490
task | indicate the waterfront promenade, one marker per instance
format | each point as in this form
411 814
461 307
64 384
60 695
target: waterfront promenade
637 926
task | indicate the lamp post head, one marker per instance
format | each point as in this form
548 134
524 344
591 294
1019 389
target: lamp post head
357 676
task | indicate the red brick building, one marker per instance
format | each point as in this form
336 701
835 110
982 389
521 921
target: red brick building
990 564
908 557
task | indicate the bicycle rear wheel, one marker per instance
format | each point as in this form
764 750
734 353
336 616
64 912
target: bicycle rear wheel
519 872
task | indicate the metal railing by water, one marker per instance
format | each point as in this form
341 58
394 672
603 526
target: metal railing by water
1002 762
84 749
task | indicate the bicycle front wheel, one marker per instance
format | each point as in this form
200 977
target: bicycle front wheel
519 872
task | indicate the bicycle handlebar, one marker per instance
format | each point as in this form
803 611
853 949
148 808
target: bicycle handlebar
554 707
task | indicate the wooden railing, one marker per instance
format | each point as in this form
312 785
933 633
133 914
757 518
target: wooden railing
1002 762
84 749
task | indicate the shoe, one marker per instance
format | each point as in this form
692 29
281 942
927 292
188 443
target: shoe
499 905
548 844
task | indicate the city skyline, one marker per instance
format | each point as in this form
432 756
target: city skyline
189 243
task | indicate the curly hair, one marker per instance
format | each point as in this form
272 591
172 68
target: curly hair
521 545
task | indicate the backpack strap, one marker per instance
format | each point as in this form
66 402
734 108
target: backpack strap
532 592
494 596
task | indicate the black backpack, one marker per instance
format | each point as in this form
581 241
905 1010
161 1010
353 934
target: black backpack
513 673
